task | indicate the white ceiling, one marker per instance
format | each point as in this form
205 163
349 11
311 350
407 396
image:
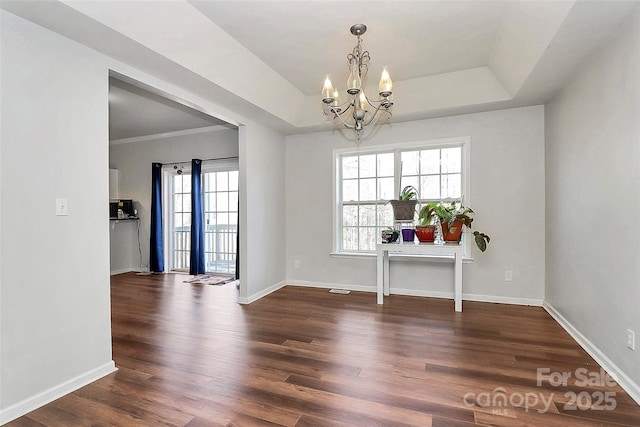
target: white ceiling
135 112
265 60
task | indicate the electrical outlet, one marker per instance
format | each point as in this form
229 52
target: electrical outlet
62 207
296 263
508 276
631 339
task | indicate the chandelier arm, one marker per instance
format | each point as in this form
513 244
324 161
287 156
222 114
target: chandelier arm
375 114
347 125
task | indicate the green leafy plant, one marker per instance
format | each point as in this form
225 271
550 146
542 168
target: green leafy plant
408 193
448 214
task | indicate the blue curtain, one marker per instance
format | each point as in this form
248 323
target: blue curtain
197 264
156 251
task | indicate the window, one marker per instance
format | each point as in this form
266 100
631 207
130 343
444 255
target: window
220 191
221 220
366 179
180 221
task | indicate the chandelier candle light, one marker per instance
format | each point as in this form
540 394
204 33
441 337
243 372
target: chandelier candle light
362 110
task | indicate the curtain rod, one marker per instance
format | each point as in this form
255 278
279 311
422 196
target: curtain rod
188 162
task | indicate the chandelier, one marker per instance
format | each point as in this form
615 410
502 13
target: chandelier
358 110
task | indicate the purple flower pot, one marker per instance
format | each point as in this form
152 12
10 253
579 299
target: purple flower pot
408 234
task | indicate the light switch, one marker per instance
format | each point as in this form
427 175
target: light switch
62 207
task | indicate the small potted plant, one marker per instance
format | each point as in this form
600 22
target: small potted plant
404 208
389 235
426 230
453 219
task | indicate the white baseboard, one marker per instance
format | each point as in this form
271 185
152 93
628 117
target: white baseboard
263 293
419 293
121 271
503 300
607 364
34 402
325 285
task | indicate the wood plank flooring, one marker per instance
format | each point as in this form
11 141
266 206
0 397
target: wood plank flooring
189 355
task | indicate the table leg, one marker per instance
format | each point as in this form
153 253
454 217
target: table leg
379 284
386 272
458 282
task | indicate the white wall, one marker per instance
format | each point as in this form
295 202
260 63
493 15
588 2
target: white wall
593 196
54 271
55 313
262 210
133 161
507 194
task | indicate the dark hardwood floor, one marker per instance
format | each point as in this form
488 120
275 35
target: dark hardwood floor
189 355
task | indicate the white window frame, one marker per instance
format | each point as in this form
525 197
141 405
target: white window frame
225 165
463 142
168 172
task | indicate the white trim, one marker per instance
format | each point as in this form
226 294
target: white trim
419 293
326 285
171 134
121 271
632 389
263 293
36 401
535 302
397 257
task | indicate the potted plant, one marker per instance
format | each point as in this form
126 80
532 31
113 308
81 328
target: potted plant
389 235
426 230
404 208
453 219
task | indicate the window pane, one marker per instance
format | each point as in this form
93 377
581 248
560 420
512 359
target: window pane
429 162
368 166
350 167
186 183
223 218
368 238
451 186
430 187
233 201
233 180
409 180
350 238
409 161
350 190
210 202
385 215
222 200
209 181
385 189
451 160
385 164
368 189
210 219
186 203
350 215
177 202
222 183
367 215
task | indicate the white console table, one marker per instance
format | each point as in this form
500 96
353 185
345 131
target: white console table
451 250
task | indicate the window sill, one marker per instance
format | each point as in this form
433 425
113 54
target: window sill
372 255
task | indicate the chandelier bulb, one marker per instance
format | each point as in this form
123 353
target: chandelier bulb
385 84
328 90
354 83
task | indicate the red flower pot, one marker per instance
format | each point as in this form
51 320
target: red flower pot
453 232
425 233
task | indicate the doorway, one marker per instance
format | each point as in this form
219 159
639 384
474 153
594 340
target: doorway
145 128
